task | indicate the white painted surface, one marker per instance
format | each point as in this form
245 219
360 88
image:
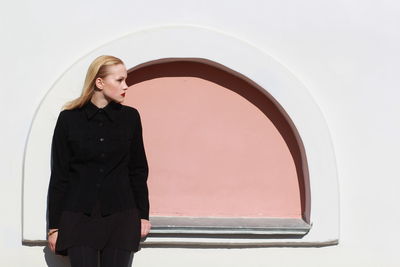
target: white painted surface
344 52
281 84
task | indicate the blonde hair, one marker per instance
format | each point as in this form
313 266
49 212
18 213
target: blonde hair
97 69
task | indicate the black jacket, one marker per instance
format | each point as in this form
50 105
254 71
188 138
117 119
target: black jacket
98 152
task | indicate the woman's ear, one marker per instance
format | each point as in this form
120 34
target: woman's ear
99 83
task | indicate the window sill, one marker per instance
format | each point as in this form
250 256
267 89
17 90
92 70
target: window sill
225 232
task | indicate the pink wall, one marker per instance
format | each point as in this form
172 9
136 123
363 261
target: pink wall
212 153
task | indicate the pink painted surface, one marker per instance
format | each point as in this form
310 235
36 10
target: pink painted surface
212 153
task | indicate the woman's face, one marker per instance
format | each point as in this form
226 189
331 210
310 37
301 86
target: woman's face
113 85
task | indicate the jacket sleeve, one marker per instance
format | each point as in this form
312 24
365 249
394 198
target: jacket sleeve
138 171
60 155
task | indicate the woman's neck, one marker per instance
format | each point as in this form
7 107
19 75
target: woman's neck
99 100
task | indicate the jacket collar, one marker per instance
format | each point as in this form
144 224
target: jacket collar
110 109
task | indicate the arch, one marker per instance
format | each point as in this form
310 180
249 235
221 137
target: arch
202 43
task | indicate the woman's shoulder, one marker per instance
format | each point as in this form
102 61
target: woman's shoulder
129 108
68 114
132 112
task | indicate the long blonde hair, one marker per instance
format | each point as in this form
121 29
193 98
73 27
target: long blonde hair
97 69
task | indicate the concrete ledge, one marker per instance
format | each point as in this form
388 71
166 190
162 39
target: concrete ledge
231 226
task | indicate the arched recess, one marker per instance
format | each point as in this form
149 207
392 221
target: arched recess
186 42
227 78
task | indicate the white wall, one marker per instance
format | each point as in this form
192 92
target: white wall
345 52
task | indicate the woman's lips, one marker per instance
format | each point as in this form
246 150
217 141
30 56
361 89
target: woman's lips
123 94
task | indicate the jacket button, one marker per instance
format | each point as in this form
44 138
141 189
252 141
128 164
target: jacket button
101 139
101 170
100 124
102 155
98 185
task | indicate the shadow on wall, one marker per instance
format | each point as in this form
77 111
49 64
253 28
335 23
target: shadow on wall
53 260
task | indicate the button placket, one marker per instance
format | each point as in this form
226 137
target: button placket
101 139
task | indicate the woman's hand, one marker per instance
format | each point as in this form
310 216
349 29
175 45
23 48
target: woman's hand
52 239
146 225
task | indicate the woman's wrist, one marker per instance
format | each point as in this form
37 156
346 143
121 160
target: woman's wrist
52 231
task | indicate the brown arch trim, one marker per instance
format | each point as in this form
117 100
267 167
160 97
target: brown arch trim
237 82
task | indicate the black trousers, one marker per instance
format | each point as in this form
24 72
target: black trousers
83 256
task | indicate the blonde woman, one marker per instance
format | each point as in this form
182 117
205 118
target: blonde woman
98 196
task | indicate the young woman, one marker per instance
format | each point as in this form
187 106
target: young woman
98 197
